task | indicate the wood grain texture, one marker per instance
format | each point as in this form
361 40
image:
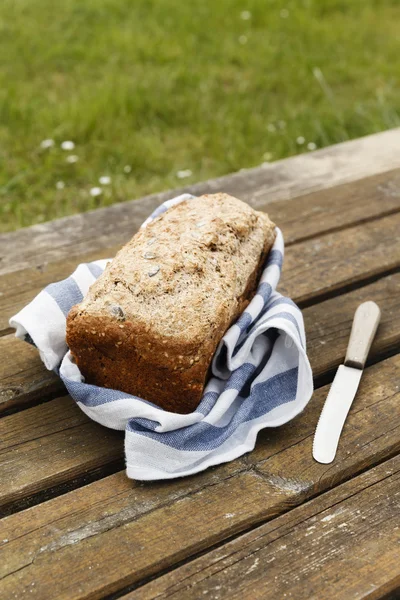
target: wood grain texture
115 532
324 265
336 208
24 379
328 324
18 289
311 269
314 214
76 452
344 544
83 233
366 423
49 444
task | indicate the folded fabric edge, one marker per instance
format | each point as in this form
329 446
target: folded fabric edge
148 471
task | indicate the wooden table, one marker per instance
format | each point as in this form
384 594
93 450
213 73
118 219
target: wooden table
272 524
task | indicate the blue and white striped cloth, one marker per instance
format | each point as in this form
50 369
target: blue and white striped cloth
261 377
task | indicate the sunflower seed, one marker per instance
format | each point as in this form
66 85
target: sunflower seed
117 311
153 271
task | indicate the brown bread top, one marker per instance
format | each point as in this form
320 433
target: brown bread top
151 322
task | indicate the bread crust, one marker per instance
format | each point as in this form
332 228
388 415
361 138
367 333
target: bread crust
150 324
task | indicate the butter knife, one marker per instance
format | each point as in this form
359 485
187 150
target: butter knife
345 384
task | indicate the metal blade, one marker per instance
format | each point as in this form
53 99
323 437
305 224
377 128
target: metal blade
334 413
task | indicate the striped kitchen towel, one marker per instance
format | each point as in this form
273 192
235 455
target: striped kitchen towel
261 377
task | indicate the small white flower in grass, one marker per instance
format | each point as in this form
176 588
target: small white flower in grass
72 158
184 173
67 145
243 39
311 146
127 168
60 185
245 15
271 127
300 140
105 180
96 191
47 144
284 13
281 124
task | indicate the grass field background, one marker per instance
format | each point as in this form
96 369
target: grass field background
147 89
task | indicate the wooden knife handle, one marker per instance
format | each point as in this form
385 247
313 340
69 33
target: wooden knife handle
365 323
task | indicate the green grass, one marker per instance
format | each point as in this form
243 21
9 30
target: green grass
166 85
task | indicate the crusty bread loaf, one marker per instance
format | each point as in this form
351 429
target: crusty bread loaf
151 322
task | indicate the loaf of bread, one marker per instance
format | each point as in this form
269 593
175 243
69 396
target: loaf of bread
152 321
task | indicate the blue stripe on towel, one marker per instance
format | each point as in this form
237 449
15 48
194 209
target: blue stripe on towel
205 437
160 444
65 295
95 270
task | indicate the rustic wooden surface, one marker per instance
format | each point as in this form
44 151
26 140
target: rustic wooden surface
272 524
57 430
350 255
23 377
325 549
285 179
164 524
25 381
27 457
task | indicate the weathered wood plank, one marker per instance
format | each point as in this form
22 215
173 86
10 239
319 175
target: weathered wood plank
94 546
312 268
81 234
324 265
314 214
24 379
49 444
328 324
335 208
18 289
344 544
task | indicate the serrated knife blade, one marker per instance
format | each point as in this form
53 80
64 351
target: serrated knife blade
345 384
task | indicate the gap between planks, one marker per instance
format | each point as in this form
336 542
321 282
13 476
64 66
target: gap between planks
313 270
343 227
315 259
90 476
26 388
23 378
347 288
228 567
96 524
316 213
286 179
328 325
110 468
